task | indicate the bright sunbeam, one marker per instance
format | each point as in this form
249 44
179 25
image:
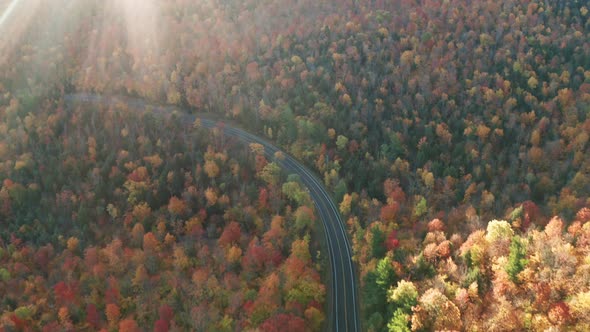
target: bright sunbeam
14 22
8 11
139 32
140 19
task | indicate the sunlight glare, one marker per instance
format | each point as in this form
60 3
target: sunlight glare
14 22
8 11
141 20
141 34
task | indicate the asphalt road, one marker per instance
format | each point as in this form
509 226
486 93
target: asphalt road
343 310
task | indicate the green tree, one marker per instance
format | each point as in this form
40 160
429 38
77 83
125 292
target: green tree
377 283
402 299
375 322
404 296
516 259
271 174
377 242
421 207
294 192
399 322
385 274
341 142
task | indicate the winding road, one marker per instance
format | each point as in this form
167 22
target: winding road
343 311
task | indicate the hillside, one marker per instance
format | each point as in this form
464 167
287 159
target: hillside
454 136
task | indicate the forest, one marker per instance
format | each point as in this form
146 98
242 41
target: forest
452 135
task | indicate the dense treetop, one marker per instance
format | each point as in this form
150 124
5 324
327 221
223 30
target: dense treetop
117 219
439 127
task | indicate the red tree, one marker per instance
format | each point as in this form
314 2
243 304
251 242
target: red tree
92 316
231 234
392 242
64 293
284 323
161 326
166 312
255 256
389 211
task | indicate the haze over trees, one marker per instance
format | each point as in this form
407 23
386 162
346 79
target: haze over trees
453 136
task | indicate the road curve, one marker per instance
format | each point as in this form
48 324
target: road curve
343 311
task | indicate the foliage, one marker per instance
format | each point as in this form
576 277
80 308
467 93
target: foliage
377 243
123 241
408 110
399 322
404 296
516 260
498 230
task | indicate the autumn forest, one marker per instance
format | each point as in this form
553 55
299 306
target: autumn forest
452 137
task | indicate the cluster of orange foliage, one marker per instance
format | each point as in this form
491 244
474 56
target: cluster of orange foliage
497 279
